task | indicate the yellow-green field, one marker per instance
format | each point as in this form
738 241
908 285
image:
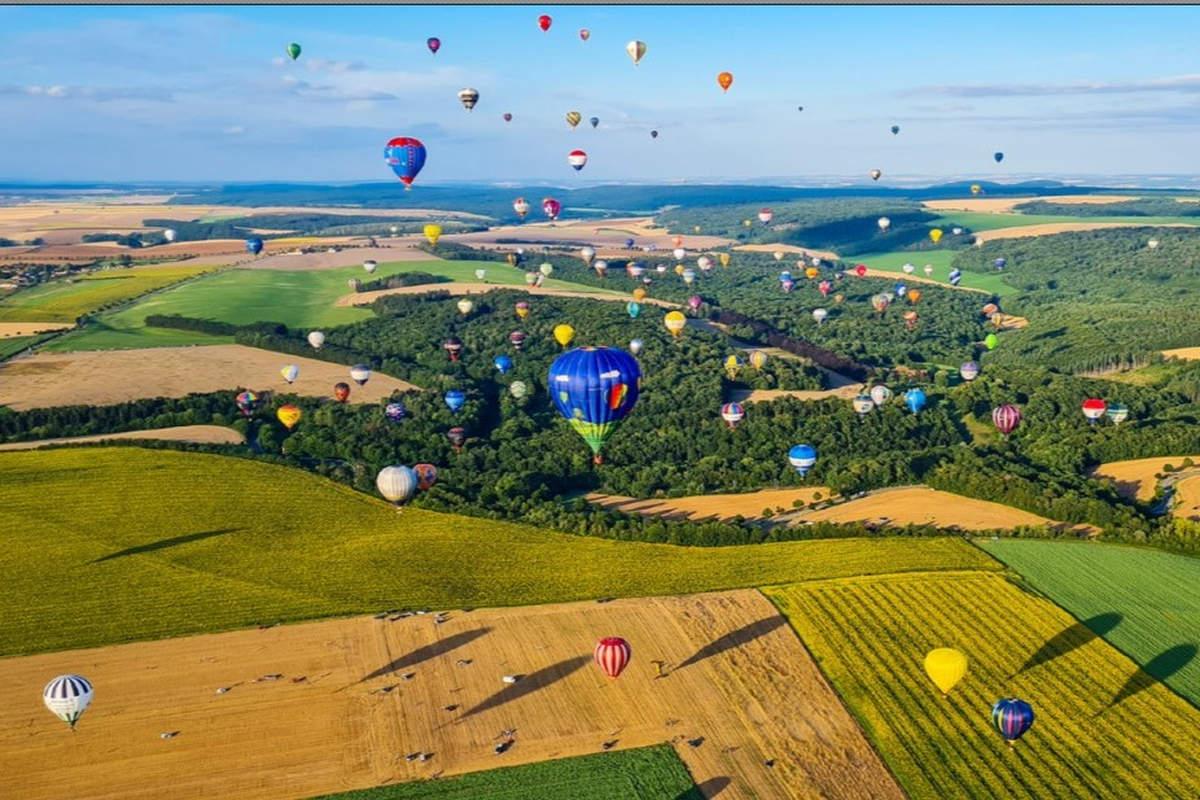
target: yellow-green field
1103 727
104 545
63 301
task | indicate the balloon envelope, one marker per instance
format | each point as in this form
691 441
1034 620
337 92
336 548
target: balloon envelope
396 484
1006 418
802 457
945 666
594 388
915 400
564 334
612 654
289 415
1012 717
406 156
454 399
67 697
254 245
293 51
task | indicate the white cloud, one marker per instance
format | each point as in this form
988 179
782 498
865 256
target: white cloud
234 130
1177 83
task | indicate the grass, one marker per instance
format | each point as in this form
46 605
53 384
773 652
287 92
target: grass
941 260
15 344
985 221
1103 727
128 544
644 773
300 299
1155 597
63 301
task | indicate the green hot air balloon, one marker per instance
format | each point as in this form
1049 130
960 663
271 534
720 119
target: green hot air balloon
991 341
293 50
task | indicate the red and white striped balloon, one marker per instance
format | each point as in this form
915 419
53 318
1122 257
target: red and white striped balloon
577 159
1005 418
612 654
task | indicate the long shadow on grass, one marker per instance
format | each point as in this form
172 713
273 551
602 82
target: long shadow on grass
528 684
429 651
1157 669
162 544
705 791
1072 638
741 636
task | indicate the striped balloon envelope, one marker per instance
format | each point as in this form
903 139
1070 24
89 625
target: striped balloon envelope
1005 418
1012 717
67 697
612 653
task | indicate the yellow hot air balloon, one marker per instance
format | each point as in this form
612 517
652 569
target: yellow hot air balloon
511 258
289 415
636 50
811 272
432 232
679 269
731 365
696 228
564 334
724 259
914 295
945 666
573 118
976 188
758 359
778 255
936 235
675 322
746 223
639 294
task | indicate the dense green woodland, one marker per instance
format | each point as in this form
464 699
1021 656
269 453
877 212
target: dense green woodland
1141 207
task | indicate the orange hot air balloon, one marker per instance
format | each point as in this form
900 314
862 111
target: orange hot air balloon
914 295
639 294
341 392
989 309
725 80
678 240
811 272
289 415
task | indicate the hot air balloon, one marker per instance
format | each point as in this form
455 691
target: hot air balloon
503 364
468 97
976 188
341 391
990 341
254 245
907 268
594 388
839 298
653 134
675 322
1006 418
1153 243
900 289
601 267
573 118
457 437
935 235
860 270
465 306
432 232
704 263
1000 263
584 34
531 278
910 320
507 116
928 270
290 372
732 413
405 155
546 269
679 253
694 303
819 314
633 308
577 159
247 403
360 374
289 415
880 302
522 309
544 22
725 259
884 223
453 346
639 294
518 389
394 412
969 370
824 287
293 51
370 265
863 404
914 295
587 254
480 274
778 254
316 339
454 399
564 334
956 231
612 653
880 394
521 207
396 484
1012 717
758 359
895 129
170 235
1117 413
434 44
765 216
68 696
725 80
802 457
636 50
955 277
875 174
998 156
945 666
426 476
689 276
1094 408
733 362
551 208
915 400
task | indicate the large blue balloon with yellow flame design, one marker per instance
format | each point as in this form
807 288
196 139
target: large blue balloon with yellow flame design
595 388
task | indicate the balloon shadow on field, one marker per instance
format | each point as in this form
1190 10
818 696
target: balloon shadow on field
528 684
743 635
1157 669
1072 638
705 791
440 647
162 544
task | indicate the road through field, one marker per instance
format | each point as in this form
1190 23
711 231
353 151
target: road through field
740 699
203 434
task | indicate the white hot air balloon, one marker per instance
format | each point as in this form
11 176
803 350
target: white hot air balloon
316 339
360 374
396 484
67 697
370 265
1153 243
290 372
819 314
636 50
601 267
928 270
635 346
884 223
480 274
546 269
778 255
704 263
956 231
587 253
679 253
465 306
518 389
908 268
169 234
395 229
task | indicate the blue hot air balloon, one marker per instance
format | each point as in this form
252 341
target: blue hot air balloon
998 156
395 411
634 308
455 399
594 388
955 276
802 457
1012 717
915 400
405 156
1000 263
901 290
629 244
503 363
254 245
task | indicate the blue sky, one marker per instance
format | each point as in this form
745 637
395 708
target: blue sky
204 93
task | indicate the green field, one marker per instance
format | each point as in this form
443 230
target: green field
984 221
302 300
1155 595
15 344
644 773
66 301
941 260
185 543
1103 727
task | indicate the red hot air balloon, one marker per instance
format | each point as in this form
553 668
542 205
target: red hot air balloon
860 270
584 34
551 207
544 22
1094 409
612 654
577 159
426 476
516 339
765 215
1005 418
434 44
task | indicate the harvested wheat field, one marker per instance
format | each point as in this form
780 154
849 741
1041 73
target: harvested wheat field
1183 353
353 696
202 434
845 392
104 377
1187 499
1001 205
599 233
9 329
920 505
366 298
786 248
352 256
1051 228
1136 479
710 506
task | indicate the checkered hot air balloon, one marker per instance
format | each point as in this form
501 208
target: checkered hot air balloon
612 653
68 696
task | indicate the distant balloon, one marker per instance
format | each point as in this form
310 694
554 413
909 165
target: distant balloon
564 334
406 156
577 159
396 484
1117 413
289 415
969 370
426 476
884 223
639 294
1006 418
585 34
522 309
880 302
546 269
927 269
521 207
544 22
360 374
169 234
1000 263
370 265
875 174
1094 408
998 156
636 50
480 274
1152 244
860 270
955 277
516 339
725 259
732 413
819 314
453 346
895 129
679 253
725 80
254 245
863 404
633 308
956 231
689 276
518 389
454 399
990 341
1012 717
675 322
945 666
434 44
394 412
758 359
976 188
935 235
457 437
573 118
694 303
290 372
601 267
612 654
765 216
653 134
67 697
880 394
503 364
293 51
316 339
508 116
908 268
551 207
915 400
802 457
341 391
247 403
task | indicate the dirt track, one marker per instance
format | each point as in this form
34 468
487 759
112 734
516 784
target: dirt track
104 377
365 298
204 434
1002 205
736 675
711 506
1134 479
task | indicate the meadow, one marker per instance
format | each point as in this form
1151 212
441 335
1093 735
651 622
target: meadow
977 221
942 261
1103 727
1145 602
264 543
